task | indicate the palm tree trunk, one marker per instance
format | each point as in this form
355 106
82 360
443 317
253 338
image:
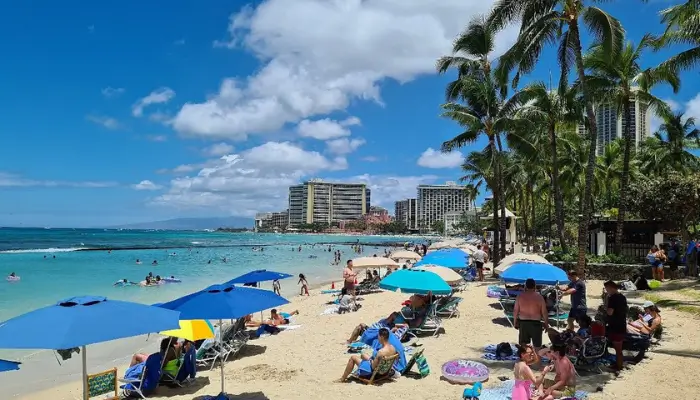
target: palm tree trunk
624 178
495 256
502 199
593 137
558 198
533 234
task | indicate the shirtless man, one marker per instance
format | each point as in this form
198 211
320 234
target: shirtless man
564 384
367 363
349 277
530 315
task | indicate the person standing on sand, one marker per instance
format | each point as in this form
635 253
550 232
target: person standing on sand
616 322
480 257
530 315
276 287
349 277
577 290
304 285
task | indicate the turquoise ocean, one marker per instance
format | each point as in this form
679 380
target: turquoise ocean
54 264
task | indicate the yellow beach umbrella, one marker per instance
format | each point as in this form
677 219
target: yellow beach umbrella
192 330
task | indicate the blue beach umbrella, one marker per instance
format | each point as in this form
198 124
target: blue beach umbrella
415 281
261 275
451 258
224 302
543 274
81 321
9 365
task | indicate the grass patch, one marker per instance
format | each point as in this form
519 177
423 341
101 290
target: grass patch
677 305
693 293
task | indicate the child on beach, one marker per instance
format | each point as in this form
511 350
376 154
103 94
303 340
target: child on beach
304 285
276 287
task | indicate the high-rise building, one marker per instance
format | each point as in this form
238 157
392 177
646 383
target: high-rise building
436 200
272 220
611 124
316 201
406 212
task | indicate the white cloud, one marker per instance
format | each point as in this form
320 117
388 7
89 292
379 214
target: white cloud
13 180
675 106
319 56
436 159
158 96
112 92
252 180
324 129
157 138
370 158
219 149
692 108
343 145
104 121
386 189
146 185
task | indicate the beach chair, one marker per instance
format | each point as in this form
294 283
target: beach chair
411 362
103 383
207 353
431 322
591 354
450 308
142 379
384 370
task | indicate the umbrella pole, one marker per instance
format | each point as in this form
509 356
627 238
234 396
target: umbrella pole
83 356
221 348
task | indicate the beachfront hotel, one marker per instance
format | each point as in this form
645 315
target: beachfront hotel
316 201
434 201
272 220
611 126
406 211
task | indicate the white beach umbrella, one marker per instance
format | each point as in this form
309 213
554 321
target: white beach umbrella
511 259
404 255
469 248
451 277
447 244
373 262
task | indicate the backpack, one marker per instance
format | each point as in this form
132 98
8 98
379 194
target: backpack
504 350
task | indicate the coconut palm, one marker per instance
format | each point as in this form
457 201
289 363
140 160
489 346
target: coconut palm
618 81
667 151
550 110
547 21
683 28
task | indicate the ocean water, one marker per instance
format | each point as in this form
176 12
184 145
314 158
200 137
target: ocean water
54 264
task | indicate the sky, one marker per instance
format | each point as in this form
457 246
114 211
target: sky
140 111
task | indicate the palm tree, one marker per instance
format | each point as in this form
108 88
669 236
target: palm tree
475 108
667 152
546 21
618 81
550 110
682 27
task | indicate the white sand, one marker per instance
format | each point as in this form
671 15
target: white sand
304 362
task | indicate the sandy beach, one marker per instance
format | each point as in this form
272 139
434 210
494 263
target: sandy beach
304 363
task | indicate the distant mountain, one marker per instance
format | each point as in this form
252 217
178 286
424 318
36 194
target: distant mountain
192 223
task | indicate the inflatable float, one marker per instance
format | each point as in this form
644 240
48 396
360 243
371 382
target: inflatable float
11 278
465 371
171 280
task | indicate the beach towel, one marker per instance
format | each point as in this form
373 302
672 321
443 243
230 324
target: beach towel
490 353
504 391
153 371
189 367
331 310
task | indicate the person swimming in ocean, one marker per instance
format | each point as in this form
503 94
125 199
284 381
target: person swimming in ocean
12 275
155 262
138 262
124 282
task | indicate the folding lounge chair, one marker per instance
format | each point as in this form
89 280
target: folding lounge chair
143 378
383 371
450 308
185 372
207 353
591 353
411 362
431 322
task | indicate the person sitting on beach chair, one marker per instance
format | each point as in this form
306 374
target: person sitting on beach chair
367 363
647 324
367 334
568 337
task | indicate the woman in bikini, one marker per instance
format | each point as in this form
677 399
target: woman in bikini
524 377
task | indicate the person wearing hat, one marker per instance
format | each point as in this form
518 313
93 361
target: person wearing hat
647 324
616 321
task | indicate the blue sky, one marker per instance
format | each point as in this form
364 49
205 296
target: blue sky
143 111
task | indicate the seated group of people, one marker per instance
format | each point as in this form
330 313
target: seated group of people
563 385
384 337
271 325
175 358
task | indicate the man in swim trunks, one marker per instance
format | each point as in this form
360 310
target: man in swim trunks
530 316
349 277
564 383
281 318
367 363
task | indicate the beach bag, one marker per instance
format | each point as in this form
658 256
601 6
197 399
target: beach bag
628 285
423 367
504 350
